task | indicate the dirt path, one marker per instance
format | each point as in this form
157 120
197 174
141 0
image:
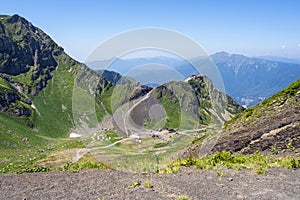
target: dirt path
93 184
79 154
110 145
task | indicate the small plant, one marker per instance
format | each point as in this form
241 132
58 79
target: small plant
134 184
188 162
291 163
170 169
182 198
198 139
160 144
274 149
290 147
221 174
283 151
261 170
148 184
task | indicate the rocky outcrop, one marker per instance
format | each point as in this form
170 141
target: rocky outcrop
8 98
24 46
22 112
273 125
14 59
114 77
25 49
139 91
91 81
27 62
2 30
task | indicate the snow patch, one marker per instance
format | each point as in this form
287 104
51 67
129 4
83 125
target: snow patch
135 136
74 135
33 106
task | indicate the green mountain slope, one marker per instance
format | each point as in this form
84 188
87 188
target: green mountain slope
37 81
37 78
186 105
273 125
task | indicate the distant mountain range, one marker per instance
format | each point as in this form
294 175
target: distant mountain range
281 59
250 80
247 80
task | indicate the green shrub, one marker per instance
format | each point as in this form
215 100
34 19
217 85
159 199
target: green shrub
257 161
182 198
75 167
261 170
274 149
134 184
221 174
290 163
148 184
170 169
160 144
290 147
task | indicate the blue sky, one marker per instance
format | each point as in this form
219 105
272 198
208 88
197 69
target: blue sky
250 27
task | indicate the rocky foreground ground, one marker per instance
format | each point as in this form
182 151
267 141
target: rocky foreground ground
277 183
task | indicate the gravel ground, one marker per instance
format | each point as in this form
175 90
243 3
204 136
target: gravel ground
278 183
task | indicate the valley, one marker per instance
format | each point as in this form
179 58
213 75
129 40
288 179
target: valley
69 130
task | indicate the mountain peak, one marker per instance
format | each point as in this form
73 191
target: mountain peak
16 18
21 25
222 53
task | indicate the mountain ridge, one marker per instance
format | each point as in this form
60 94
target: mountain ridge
257 78
187 104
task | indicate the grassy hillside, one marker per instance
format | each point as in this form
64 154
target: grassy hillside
54 103
288 97
19 144
36 95
195 102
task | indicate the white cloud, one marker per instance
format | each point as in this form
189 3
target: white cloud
299 45
283 46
